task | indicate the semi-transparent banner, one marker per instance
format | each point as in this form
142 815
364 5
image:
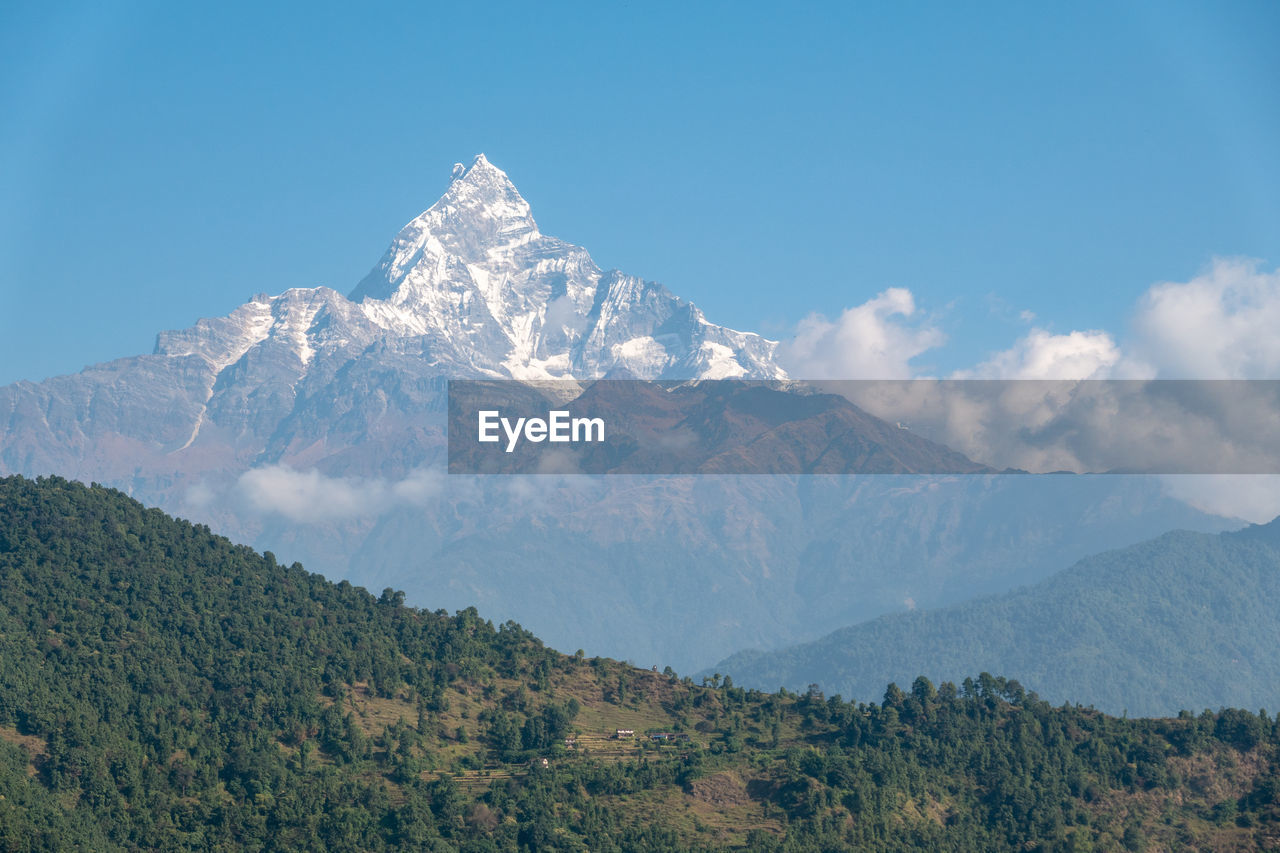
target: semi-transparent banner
917 426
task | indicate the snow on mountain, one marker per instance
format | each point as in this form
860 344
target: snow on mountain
470 288
487 294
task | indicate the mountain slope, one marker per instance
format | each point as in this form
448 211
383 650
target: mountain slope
161 688
1184 620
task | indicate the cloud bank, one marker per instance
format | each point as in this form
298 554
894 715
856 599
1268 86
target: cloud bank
1043 355
1221 324
312 497
874 340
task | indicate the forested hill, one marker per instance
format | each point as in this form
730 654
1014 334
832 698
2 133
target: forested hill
162 688
1186 620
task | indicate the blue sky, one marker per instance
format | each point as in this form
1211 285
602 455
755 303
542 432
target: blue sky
160 164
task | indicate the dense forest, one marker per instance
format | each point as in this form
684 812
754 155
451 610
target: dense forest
163 688
1186 620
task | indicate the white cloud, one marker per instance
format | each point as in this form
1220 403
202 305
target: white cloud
309 496
419 488
1042 355
199 496
871 341
1253 497
1011 424
1220 325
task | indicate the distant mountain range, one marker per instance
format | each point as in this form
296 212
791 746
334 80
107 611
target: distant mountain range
313 424
1187 620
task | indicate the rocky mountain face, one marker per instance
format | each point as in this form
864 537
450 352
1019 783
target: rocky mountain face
314 424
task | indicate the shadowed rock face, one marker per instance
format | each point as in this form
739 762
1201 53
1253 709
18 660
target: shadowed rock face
313 424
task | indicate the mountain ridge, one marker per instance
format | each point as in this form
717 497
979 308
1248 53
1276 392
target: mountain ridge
1187 615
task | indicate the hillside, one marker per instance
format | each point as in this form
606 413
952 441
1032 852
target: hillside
1185 620
162 688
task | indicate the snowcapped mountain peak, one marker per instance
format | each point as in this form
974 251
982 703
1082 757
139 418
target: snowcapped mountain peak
483 191
476 289
480 216
474 276
481 166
